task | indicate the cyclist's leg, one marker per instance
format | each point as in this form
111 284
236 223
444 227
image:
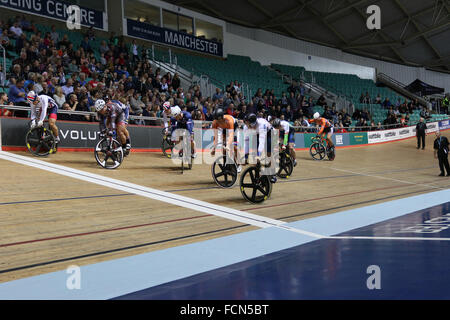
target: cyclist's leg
193 152
121 134
52 123
329 138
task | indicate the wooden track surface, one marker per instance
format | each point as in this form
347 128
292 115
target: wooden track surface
49 222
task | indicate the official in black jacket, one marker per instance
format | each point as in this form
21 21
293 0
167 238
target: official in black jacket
420 133
441 153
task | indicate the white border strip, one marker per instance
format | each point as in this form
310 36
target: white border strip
189 203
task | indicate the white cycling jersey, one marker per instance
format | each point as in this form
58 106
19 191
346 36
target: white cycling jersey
45 103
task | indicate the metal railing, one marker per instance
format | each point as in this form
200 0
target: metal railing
203 123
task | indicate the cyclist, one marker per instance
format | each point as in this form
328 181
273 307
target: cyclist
126 109
47 106
326 128
112 116
287 136
183 120
264 136
227 125
167 113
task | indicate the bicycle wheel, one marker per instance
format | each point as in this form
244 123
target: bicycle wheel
109 153
255 187
317 151
286 166
40 142
167 147
224 172
331 154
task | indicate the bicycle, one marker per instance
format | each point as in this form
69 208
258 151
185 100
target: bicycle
40 141
319 149
253 181
181 154
223 168
286 164
166 144
108 152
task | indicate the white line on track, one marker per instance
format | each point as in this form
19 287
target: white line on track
174 199
189 203
386 178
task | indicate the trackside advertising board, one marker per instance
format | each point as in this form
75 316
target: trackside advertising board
397 134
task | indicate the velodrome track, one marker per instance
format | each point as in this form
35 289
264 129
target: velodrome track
65 210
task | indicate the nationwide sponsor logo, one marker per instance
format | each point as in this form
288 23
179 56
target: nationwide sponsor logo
403 132
375 136
390 134
431 126
339 139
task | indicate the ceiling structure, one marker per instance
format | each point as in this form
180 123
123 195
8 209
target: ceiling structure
413 32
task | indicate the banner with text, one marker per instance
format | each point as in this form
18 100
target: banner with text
55 9
173 38
443 125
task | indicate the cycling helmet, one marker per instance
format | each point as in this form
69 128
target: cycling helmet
31 97
276 123
218 114
176 111
99 105
316 116
251 118
166 106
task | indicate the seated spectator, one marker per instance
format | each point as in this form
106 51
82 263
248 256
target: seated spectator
54 35
378 99
17 94
136 104
16 30
321 101
356 115
386 103
64 42
59 97
4 102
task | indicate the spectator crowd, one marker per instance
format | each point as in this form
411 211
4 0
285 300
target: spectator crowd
77 76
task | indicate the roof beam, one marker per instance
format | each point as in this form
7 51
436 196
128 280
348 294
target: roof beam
216 13
268 14
416 14
389 43
319 16
344 9
436 52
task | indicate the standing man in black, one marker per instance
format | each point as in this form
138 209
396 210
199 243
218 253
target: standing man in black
441 152
420 133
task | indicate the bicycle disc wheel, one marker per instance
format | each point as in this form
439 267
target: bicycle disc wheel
224 172
40 142
286 166
255 187
108 154
331 154
317 151
166 147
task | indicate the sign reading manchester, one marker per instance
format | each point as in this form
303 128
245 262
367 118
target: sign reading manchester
55 9
173 38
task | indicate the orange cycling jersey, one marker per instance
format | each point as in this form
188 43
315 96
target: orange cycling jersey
228 125
324 123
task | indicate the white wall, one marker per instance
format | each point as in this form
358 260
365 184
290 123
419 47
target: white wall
267 54
284 46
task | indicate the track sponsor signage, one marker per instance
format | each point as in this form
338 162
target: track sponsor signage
358 138
443 125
